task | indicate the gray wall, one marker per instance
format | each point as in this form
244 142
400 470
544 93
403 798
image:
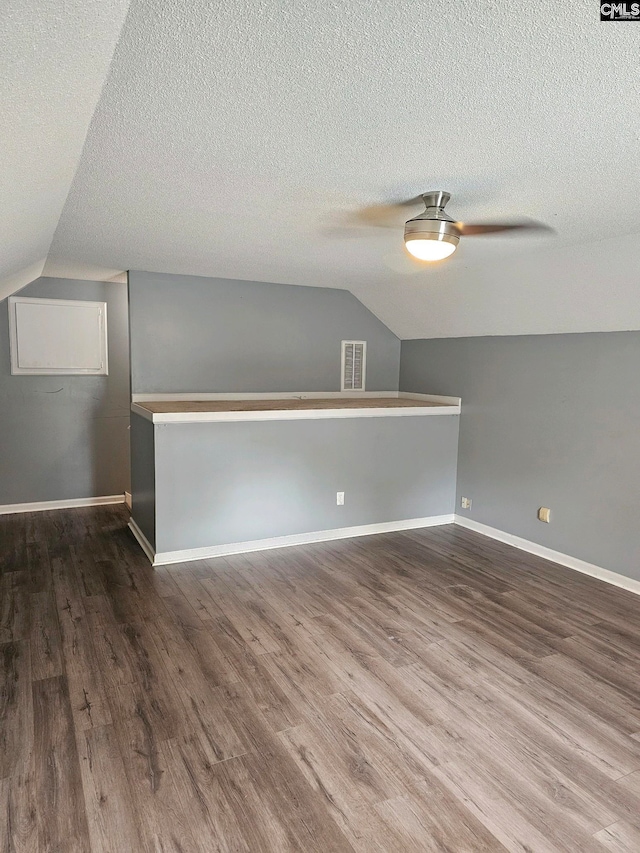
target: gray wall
217 335
218 483
549 420
143 476
65 437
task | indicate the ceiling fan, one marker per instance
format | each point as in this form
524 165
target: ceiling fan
434 235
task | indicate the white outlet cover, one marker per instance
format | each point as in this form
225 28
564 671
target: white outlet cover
340 498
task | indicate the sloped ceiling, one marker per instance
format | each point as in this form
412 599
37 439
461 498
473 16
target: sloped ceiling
230 138
54 58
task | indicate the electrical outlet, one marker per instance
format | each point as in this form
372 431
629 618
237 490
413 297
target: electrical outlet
340 498
544 514
465 503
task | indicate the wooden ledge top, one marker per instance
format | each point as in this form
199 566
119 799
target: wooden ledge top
292 408
188 406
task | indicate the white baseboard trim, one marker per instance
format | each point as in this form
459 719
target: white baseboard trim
566 560
127 499
168 557
41 506
144 543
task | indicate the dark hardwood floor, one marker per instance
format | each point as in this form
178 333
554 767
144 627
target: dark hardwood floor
422 691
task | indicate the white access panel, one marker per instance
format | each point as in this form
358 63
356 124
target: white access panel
57 336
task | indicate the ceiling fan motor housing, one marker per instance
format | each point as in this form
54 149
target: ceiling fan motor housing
424 227
433 223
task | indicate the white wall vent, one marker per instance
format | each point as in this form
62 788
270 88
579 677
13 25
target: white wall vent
354 365
57 336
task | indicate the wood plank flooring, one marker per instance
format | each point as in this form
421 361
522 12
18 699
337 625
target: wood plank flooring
421 691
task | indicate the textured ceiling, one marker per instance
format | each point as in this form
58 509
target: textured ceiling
54 58
230 135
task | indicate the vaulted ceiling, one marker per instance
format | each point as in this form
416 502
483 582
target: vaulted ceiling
229 138
54 58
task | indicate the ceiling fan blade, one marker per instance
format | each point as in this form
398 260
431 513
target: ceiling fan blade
478 229
391 215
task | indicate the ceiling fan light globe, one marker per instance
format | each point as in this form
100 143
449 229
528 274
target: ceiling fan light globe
430 248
